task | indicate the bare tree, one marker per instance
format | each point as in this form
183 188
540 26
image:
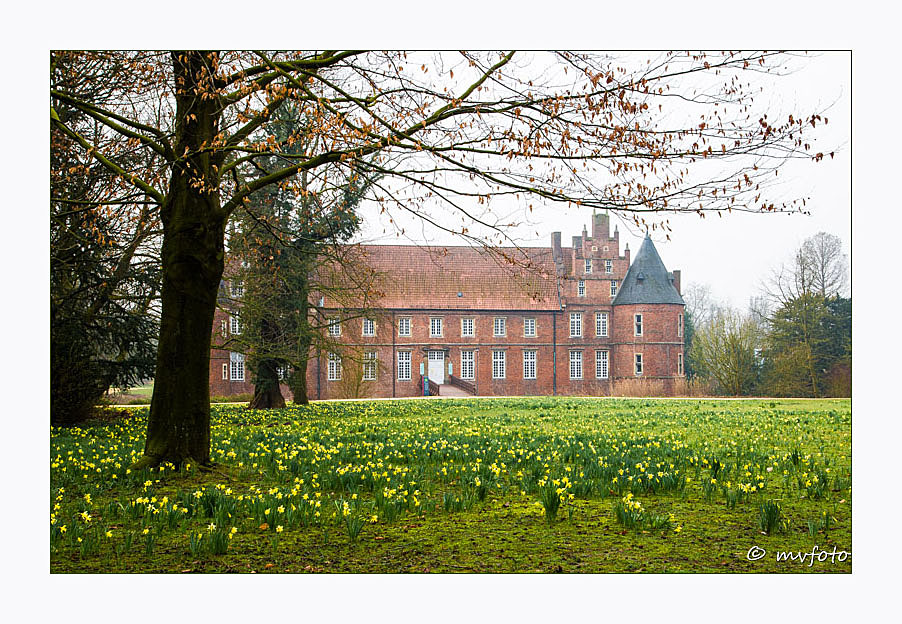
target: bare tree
726 351
826 264
700 304
818 267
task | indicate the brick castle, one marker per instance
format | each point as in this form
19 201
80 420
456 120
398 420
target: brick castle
455 320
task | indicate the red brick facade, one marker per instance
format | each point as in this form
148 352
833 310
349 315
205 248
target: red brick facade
533 332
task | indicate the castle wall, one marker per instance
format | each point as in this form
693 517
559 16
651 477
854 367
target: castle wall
660 343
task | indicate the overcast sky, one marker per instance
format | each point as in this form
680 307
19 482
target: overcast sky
732 254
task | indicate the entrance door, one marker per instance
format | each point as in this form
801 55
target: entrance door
437 366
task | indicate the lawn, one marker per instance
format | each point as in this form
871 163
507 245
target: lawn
470 485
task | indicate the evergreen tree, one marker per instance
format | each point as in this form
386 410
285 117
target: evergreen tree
104 268
809 347
285 245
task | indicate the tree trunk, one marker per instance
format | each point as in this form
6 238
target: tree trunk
299 384
267 394
299 378
178 428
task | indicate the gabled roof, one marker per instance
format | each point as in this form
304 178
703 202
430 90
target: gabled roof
647 280
412 277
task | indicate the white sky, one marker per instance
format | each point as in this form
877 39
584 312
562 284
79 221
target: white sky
734 253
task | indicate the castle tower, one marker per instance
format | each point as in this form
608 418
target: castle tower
648 321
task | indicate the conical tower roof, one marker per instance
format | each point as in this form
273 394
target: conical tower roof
647 280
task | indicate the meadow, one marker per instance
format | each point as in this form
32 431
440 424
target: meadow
469 485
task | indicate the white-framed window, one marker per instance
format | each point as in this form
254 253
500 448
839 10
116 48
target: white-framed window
235 324
601 323
576 324
369 366
638 364
334 327
679 363
403 365
680 326
499 364
581 288
467 327
529 327
236 366
500 326
225 370
224 330
334 367
404 326
529 364
601 364
613 288
576 365
467 365
236 288
369 327
281 372
608 266
638 327
435 327
588 265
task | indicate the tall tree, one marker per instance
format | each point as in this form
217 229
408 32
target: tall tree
826 264
611 138
808 330
809 347
104 271
288 248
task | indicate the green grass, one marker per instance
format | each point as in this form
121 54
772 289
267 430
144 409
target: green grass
145 390
458 485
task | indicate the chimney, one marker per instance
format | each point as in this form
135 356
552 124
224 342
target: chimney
601 227
676 281
626 252
556 252
576 252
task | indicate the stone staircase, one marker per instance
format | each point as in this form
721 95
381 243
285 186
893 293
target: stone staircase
454 391
457 387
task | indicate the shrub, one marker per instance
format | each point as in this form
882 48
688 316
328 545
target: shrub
235 398
638 388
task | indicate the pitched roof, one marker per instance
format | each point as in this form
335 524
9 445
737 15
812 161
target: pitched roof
463 278
647 280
